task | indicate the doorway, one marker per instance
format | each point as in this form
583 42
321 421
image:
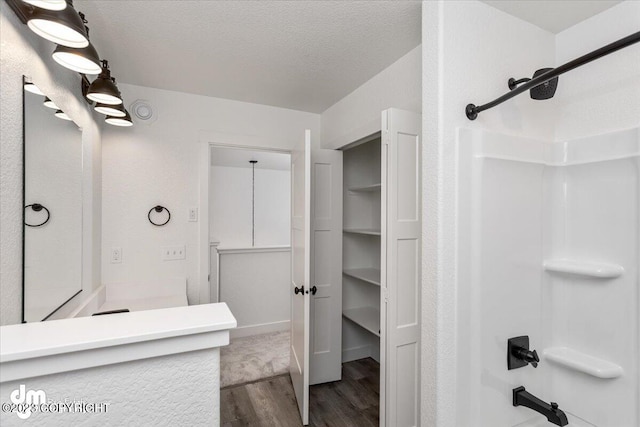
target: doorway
249 235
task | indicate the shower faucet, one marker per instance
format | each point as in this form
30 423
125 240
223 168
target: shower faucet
521 397
519 355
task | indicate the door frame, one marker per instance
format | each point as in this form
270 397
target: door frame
204 174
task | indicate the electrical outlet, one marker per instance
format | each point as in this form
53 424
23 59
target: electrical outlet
172 253
193 214
116 255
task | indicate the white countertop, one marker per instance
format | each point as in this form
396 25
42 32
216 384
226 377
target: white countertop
57 338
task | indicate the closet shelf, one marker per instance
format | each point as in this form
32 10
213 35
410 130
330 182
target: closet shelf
367 318
596 269
369 231
583 362
366 188
369 275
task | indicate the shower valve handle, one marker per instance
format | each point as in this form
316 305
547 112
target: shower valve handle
519 354
530 357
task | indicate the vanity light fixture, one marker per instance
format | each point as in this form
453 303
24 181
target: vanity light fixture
111 110
62 115
84 60
104 89
120 121
50 104
30 87
48 4
64 27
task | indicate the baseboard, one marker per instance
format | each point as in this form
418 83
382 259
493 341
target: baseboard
375 353
264 328
356 353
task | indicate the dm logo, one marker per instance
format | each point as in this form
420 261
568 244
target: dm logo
26 399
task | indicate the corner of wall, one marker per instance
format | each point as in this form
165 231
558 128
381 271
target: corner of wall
604 95
358 114
470 49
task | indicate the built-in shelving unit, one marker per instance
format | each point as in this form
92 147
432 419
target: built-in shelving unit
366 188
369 275
583 362
369 231
367 318
594 269
361 290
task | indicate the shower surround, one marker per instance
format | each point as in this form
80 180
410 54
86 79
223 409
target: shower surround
549 238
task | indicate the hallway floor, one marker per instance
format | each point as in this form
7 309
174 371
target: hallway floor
352 402
254 358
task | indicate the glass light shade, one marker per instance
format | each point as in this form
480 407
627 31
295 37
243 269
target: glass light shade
111 110
48 4
30 87
62 27
83 60
62 115
50 104
120 121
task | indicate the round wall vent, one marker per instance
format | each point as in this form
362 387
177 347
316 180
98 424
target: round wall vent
142 111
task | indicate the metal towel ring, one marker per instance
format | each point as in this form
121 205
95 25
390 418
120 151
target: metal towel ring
37 207
159 209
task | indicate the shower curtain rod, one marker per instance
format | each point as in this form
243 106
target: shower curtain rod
472 110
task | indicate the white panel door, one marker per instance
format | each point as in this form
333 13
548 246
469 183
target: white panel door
326 266
400 268
300 272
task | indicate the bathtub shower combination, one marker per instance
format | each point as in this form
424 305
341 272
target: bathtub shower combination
550 238
548 266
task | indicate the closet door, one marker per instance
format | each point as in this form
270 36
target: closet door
400 267
326 266
300 272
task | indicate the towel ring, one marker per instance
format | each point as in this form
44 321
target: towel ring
37 207
159 209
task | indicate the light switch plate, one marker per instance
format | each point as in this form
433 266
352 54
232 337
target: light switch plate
193 214
116 255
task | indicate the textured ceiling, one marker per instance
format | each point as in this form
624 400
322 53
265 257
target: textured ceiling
553 15
303 55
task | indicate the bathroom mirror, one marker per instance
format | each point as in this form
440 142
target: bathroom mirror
52 257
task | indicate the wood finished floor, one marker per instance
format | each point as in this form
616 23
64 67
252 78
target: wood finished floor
351 402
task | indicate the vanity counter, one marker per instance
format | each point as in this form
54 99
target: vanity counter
43 348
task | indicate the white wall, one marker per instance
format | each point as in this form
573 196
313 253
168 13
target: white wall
358 114
256 285
605 94
180 389
469 52
22 52
158 164
230 212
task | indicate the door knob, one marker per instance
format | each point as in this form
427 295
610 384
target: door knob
314 290
299 290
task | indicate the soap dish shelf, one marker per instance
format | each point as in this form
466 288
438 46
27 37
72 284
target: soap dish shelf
583 362
600 270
